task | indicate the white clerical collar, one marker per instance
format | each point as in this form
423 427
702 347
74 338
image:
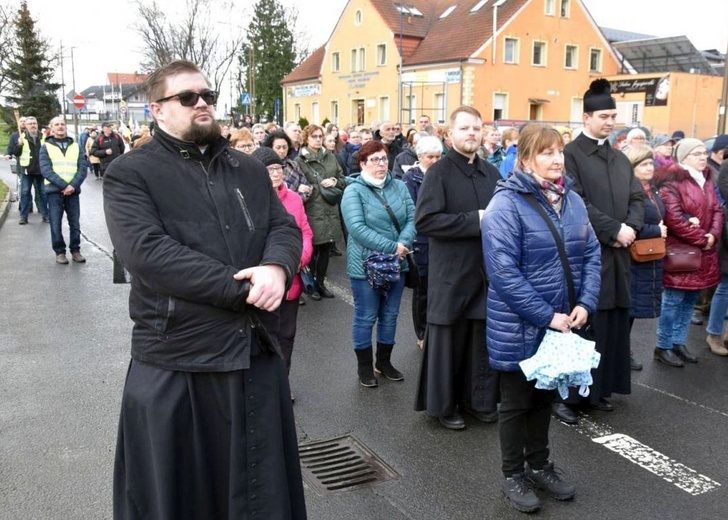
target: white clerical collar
599 141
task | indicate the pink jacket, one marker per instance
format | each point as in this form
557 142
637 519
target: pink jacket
294 205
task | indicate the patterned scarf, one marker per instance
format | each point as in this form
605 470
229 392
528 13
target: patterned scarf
554 192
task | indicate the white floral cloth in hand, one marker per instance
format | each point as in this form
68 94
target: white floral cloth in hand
562 360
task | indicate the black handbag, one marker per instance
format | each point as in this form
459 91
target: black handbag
331 195
587 330
412 276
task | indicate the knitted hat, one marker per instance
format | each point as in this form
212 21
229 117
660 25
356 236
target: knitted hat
599 96
267 156
684 147
638 153
677 135
720 143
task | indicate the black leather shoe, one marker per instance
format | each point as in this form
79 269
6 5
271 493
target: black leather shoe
564 414
334 251
684 354
668 357
697 318
486 417
603 405
324 292
315 296
453 422
633 363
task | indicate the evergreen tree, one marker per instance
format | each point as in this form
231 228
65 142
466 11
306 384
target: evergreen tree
29 73
268 56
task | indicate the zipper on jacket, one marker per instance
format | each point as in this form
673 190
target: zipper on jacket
244 207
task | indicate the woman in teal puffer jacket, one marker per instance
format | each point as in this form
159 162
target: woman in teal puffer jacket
371 229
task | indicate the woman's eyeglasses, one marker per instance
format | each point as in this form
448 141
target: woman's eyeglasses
378 160
190 99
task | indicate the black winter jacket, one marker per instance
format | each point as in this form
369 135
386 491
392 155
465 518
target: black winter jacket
113 142
183 224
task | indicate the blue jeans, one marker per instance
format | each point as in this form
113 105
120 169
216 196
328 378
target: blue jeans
674 322
26 183
57 204
718 307
370 307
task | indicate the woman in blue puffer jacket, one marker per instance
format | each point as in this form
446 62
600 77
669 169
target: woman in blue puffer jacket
371 229
528 294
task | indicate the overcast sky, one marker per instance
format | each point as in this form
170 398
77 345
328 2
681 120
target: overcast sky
104 42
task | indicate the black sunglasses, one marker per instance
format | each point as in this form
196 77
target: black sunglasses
190 99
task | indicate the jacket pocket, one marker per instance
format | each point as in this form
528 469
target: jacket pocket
165 313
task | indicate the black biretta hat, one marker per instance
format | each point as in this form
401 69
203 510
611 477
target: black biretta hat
599 96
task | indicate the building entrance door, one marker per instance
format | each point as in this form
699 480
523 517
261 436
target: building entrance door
358 109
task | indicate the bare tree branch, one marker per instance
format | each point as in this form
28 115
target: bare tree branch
195 38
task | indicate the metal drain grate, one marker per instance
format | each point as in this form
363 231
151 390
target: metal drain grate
342 464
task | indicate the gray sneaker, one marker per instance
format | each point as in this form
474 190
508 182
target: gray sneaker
519 493
549 479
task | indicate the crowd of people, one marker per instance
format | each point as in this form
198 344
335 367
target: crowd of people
538 224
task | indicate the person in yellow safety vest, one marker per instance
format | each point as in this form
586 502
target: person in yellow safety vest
64 168
26 149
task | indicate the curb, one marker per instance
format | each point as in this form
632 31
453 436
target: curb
4 209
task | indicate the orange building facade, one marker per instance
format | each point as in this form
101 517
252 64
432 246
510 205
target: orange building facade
513 60
664 103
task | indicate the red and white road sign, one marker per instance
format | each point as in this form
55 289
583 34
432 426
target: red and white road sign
79 101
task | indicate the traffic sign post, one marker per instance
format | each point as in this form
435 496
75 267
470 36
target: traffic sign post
245 99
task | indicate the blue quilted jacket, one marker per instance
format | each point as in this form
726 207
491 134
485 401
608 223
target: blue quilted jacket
369 224
527 284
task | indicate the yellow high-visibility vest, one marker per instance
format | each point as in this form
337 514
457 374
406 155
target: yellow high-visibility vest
64 165
25 153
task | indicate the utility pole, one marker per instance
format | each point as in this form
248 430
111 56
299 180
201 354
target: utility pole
252 82
724 99
63 88
75 111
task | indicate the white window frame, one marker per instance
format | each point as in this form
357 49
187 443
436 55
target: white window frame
335 112
297 112
544 53
505 103
411 107
336 61
600 55
565 9
315 113
358 17
362 58
354 60
549 7
516 49
439 104
384 108
381 54
574 59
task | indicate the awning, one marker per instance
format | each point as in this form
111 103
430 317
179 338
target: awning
538 101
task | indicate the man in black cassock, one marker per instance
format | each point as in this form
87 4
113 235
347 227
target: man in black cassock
206 428
613 197
455 376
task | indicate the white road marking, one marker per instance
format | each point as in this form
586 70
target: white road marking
688 401
653 461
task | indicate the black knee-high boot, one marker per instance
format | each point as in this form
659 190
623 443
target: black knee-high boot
384 363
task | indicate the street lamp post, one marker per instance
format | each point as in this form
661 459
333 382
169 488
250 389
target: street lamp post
73 81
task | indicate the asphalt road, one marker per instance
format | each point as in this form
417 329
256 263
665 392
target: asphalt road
64 351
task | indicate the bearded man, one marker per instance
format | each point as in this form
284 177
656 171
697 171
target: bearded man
206 428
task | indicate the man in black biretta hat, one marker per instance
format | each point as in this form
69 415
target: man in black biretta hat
604 178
